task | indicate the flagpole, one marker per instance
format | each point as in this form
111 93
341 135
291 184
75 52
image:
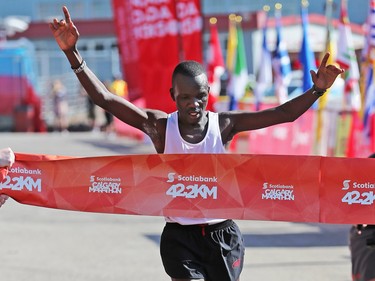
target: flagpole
281 60
180 44
266 9
264 74
215 62
231 43
306 55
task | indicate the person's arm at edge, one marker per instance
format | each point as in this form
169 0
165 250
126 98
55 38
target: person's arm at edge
7 159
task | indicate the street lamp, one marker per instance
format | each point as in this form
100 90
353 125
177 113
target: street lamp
12 24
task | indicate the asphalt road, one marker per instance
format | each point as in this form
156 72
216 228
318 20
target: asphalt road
40 244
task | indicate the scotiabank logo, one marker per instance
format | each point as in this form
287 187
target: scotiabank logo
345 184
192 186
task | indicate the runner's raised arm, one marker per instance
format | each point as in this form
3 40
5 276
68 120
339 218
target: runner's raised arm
66 35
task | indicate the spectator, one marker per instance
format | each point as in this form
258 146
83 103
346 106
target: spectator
7 159
91 111
60 106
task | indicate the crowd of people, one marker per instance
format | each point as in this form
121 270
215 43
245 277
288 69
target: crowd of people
96 119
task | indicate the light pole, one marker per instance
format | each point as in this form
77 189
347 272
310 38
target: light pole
12 24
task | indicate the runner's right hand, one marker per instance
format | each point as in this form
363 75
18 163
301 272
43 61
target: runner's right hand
64 31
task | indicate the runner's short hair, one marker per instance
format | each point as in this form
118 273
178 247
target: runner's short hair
188 68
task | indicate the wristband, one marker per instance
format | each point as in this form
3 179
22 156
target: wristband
80 68
318 92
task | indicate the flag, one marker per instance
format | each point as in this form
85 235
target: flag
231 43
369 114
321 138
239 74
330 47
367 55
361 137
347 60
264 77
231 57
365 63
281 62
306 55
369 96
215 61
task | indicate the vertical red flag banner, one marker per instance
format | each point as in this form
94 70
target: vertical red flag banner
128 49
153 36
190 21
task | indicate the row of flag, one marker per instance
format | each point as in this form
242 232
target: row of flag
236 63
275 67
368 79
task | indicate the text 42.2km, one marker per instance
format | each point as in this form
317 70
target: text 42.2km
192 191
356 197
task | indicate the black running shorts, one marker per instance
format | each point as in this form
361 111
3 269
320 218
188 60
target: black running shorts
211 252
362 254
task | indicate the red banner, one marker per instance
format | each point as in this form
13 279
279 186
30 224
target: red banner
153 37
227 185
289 138
250 187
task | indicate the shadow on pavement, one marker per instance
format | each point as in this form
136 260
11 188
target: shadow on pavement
327 236
120 147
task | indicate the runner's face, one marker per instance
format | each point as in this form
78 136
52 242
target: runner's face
191 96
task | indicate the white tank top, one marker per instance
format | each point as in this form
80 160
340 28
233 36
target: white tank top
175 144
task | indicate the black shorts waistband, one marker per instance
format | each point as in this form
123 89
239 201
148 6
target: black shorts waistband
207 227
363 227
